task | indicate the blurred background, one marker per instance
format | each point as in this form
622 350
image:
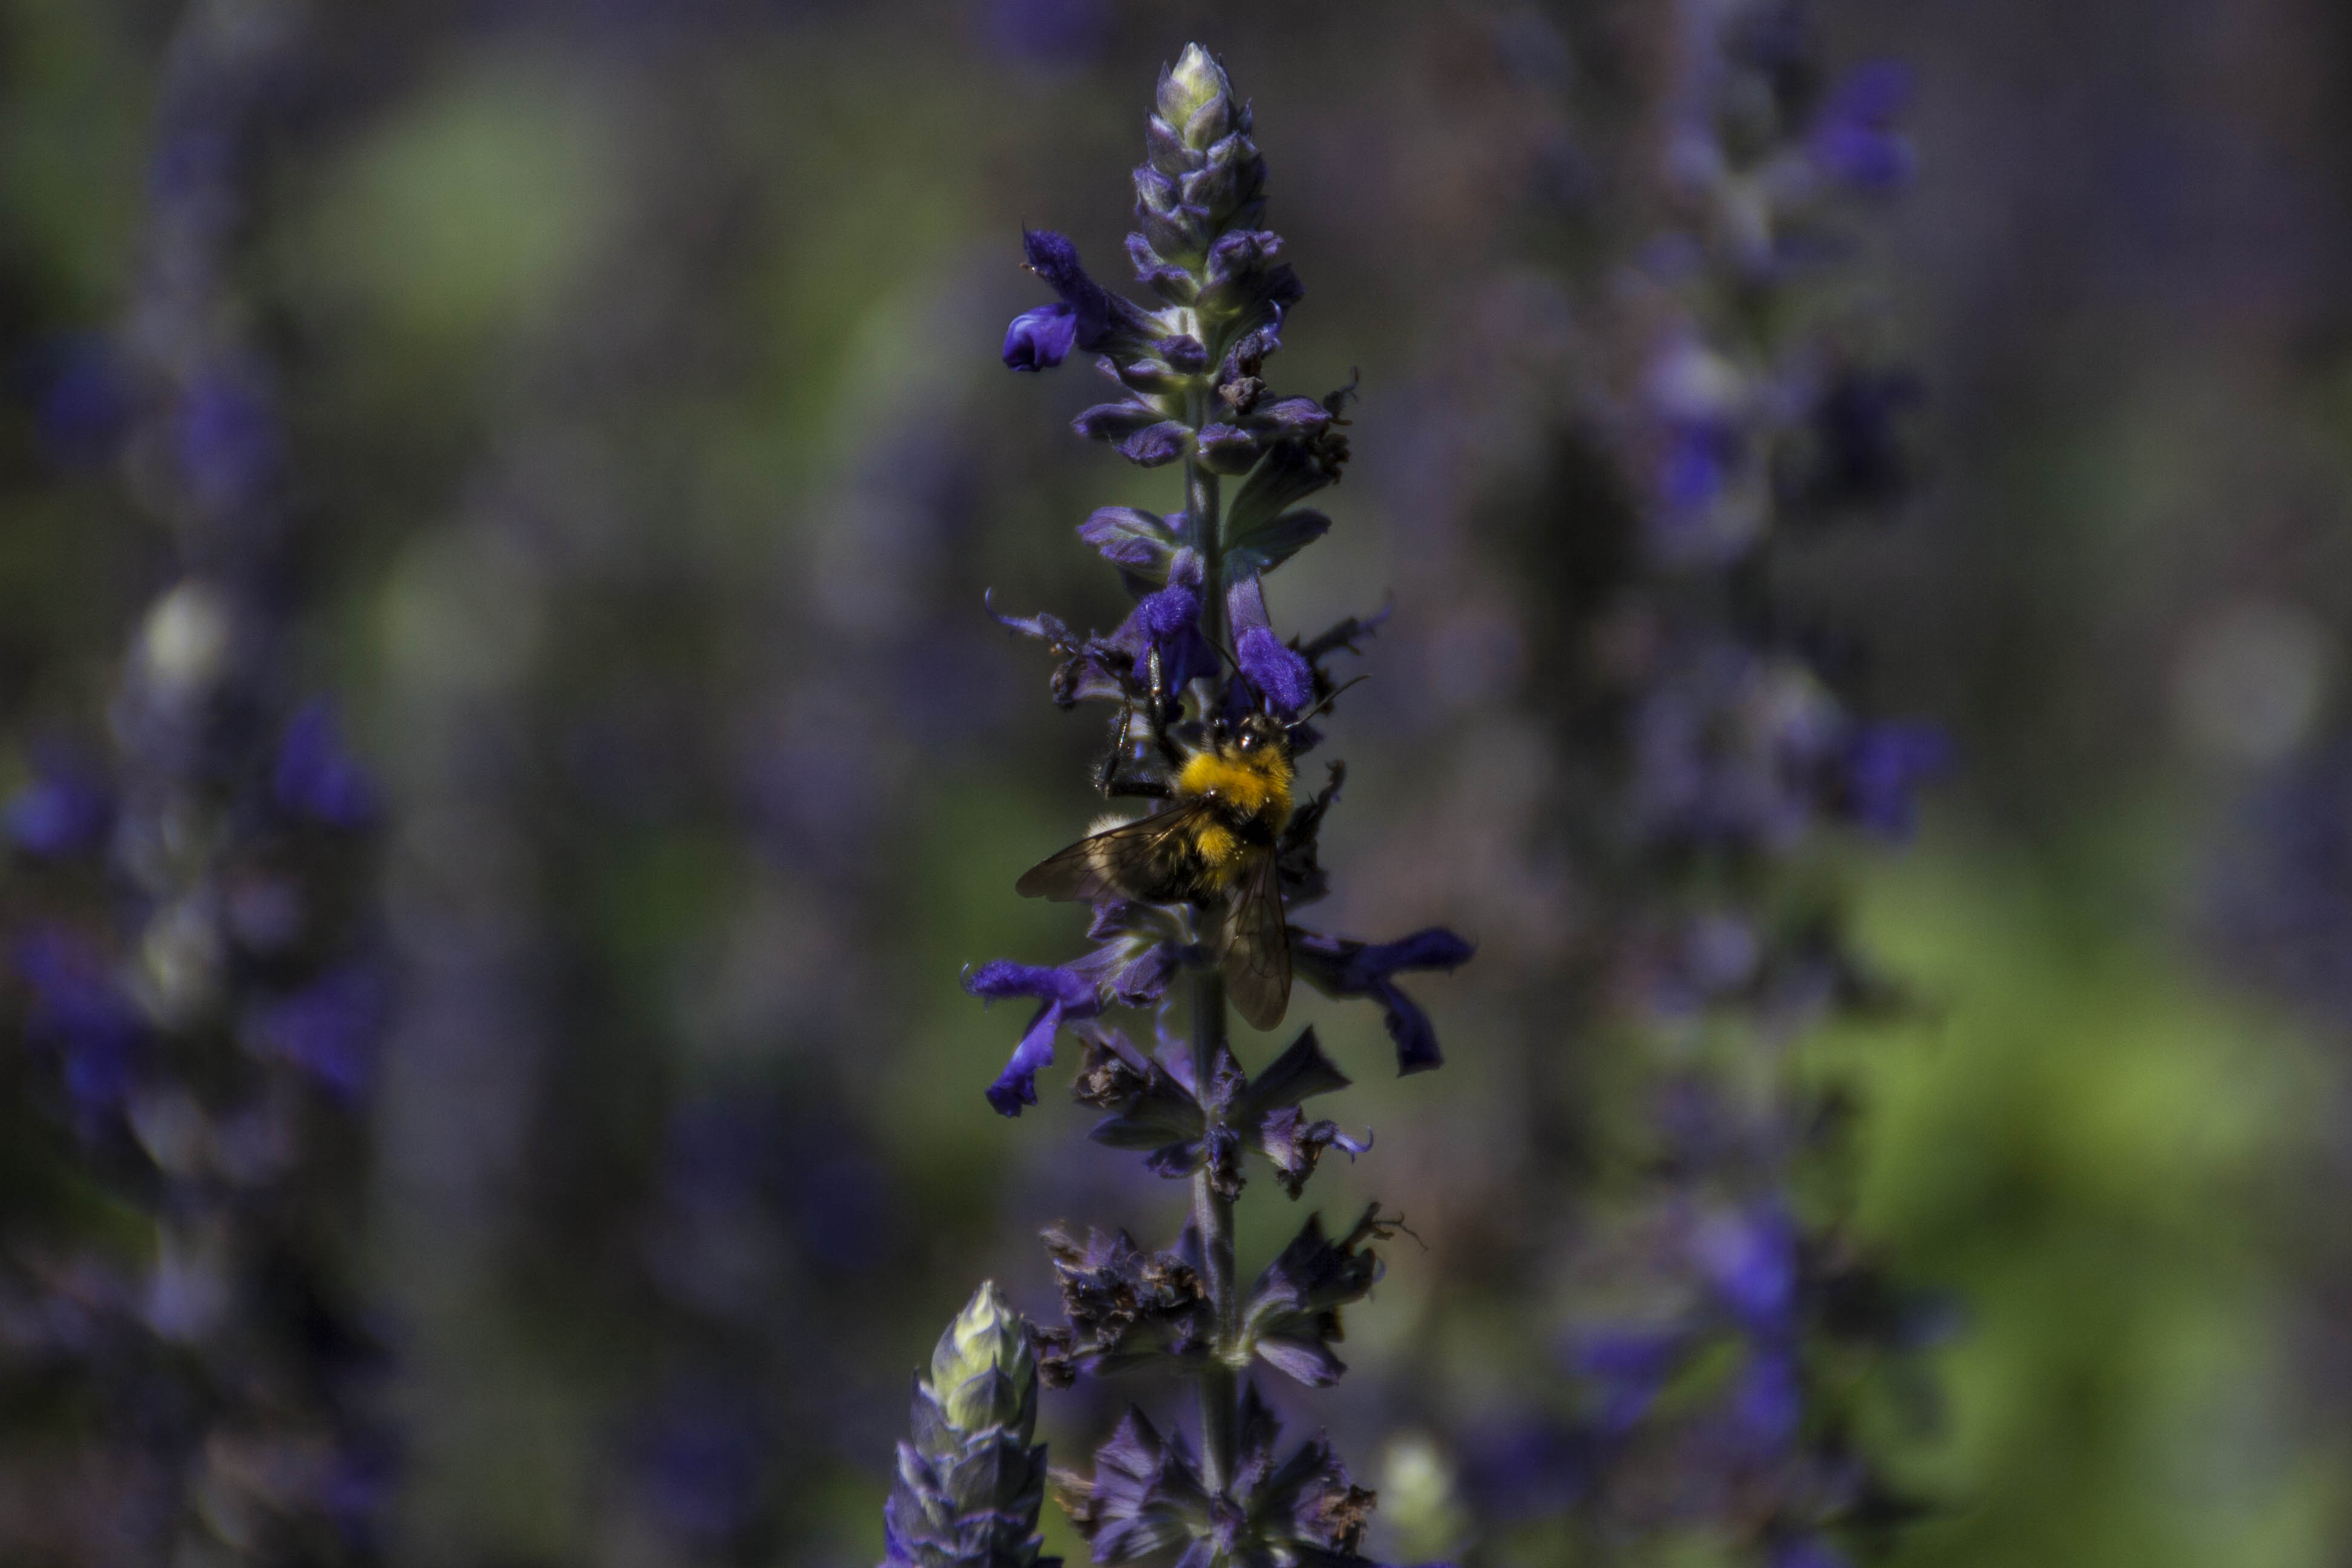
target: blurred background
618 383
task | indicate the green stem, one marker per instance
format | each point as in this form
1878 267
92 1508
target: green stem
1212 1214
1201 505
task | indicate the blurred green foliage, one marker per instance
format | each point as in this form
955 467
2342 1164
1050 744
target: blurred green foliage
2087 1145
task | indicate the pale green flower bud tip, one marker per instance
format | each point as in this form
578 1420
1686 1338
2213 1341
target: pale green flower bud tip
1195 82
983 1372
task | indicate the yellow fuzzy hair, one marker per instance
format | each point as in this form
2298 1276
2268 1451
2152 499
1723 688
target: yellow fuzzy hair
1256 785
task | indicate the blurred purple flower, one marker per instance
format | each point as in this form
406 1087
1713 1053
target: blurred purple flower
229 443
1525 1467
1806 1552
358 1488
699 1459
65 810
1752 419
1749 1258
723 1151
1853 139
1628 1368
84 407
1770 36
1885 765
316 777
1695 468
1858 456
1768 1403
1049 32
80 1011
331 1029
193 160
840 1194
1728 746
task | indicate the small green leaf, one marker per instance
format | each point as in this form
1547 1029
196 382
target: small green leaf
1260 549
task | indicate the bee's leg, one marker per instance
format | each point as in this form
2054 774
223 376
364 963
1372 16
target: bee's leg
1107 774
1116 777
1160 703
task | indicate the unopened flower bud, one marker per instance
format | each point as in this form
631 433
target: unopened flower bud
970 1484
1195 90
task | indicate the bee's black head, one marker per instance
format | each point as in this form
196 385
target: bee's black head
1257 731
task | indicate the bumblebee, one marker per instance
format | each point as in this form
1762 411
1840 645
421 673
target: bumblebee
1215 845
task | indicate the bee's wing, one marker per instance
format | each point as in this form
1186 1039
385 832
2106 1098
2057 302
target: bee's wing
1143 860
1256 956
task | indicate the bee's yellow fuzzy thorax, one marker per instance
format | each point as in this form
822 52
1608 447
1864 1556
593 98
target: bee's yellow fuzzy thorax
1254 786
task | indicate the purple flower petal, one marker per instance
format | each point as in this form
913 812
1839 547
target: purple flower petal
1185 353
1003 978
1040 338
1098 317
1167 612
1139 541
1168 620
1068 996
1118 421
1016 1086
1155 445
1341 967
1052 257
1310 1362
1280 673
1228 449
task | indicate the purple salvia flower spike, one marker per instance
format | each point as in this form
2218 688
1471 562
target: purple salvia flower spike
210 1040
1751 414
1214 747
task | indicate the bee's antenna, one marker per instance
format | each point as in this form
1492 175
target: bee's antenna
1235 659
1325 706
